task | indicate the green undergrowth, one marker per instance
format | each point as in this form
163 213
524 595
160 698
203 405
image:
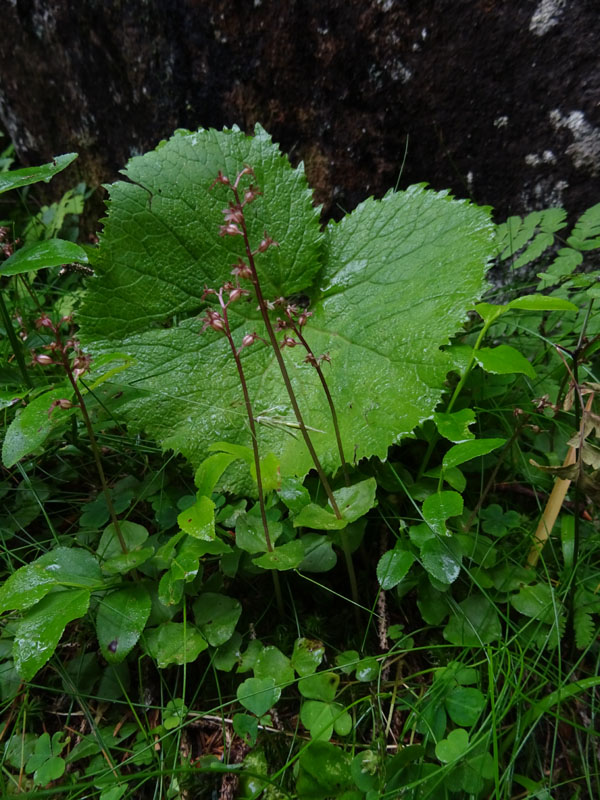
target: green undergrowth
272 490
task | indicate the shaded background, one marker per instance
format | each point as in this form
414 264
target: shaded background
499 101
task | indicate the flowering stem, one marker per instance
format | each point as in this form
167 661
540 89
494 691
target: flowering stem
281 363
250 414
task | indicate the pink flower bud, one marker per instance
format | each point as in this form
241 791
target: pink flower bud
41 358
266 243
231 229
236 293
287 341
215 321
249 339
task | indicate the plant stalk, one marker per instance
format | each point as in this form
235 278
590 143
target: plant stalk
95 449
255 452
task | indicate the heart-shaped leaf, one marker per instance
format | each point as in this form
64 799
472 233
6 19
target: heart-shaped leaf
258 695
453 746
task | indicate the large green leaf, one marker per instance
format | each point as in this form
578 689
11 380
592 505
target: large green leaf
39 631
70 567
389 285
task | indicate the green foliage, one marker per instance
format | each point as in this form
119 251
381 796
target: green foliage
136 590
377 259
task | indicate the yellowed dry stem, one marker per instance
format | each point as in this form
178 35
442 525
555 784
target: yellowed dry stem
554 504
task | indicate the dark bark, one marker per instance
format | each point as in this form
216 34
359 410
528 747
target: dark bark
498 101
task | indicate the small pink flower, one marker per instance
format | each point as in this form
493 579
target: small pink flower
242 270
231 229
214 320
288 341
44 322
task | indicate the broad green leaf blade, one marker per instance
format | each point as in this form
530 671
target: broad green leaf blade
440 506
541 302
121 618
465 451
199 520
40 630
40 255
503 360
174 643
134 536
464 704
393 566
474 623
539 602
442 558
16 178
160 244
287 556
32 425
216 615
307 656
65 566
319 686
398 278
272 663
353 502
258 695
455 426
452 748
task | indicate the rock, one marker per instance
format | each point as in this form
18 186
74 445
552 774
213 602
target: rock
496 102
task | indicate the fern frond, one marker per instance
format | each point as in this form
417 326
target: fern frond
586 233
